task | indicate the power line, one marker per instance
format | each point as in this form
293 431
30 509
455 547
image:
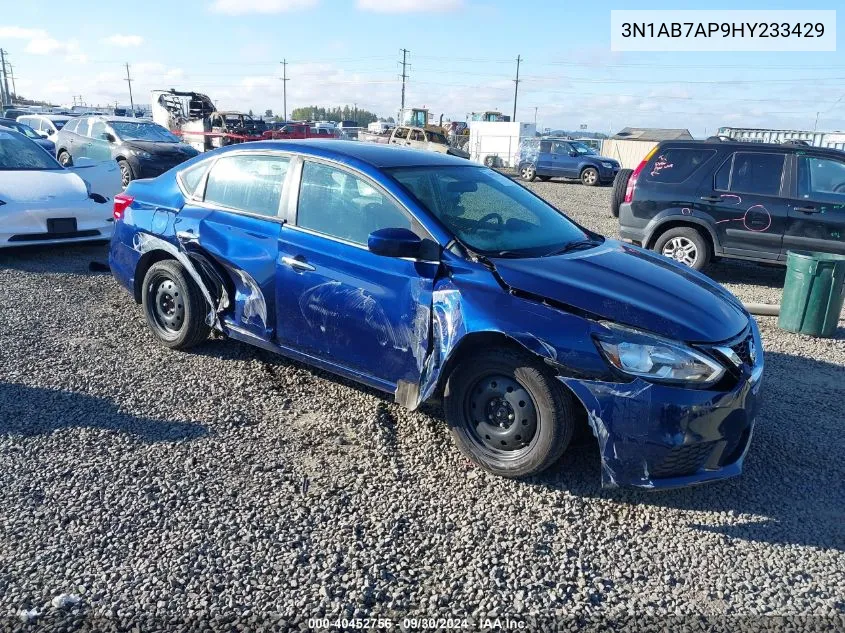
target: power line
285 80
405 52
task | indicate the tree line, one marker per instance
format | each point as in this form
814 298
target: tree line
346 113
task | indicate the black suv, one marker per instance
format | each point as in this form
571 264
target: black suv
695 200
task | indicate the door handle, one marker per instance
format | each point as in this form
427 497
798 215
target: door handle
806 209
711 198
297 263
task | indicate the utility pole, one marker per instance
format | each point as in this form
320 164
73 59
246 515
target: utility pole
7 97
816 124
285 80
516 86
129 81
405 52
12 75
535 116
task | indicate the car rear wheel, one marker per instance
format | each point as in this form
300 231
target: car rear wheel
64 159
528 172
506 414
590 176
617 196
174 306
685 245
126 175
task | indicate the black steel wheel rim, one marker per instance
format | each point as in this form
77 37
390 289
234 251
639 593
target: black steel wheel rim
166 303
501 416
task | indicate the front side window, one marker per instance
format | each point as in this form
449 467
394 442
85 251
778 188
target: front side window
561 148
20 154
488 211
821 179
341 205
247 182
401 133
676 164
417 135
757 173
71 125
82 127
98 128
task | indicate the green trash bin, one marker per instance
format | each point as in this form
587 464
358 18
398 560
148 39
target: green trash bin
813 293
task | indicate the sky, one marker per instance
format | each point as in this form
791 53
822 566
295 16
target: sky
462 56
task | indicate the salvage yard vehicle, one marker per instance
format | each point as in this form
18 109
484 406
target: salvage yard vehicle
429 139
194 117
431 278
45 125
549 158
42 202
694 201
142 149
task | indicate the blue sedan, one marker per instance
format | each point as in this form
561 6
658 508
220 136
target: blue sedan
435 279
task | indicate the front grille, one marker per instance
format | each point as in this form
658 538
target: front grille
39 237
683 460
743 349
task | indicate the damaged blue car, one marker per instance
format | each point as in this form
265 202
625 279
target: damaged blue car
434 279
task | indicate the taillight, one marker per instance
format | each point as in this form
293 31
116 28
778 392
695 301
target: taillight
121 203
632 180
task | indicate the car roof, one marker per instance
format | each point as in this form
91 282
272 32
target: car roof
734 145
375 154
118 119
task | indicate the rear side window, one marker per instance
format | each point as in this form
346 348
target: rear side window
676 164
751 172
192 176
248 183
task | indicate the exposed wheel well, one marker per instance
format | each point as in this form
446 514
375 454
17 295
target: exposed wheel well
147 260
676 224
586 167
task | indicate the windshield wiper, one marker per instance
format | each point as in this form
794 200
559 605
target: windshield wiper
574 246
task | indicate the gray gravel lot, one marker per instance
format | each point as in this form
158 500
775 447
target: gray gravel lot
229 482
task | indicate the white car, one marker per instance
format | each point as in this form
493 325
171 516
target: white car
42 202
45 125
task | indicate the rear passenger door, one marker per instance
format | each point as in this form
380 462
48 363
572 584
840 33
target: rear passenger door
236 222
816 213
341 303
747 201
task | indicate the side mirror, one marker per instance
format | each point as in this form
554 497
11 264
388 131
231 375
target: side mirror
394 243
109 137
573 153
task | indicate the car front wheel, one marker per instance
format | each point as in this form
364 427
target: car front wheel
174 306
528 172
64 159
506 414
590 177
126 175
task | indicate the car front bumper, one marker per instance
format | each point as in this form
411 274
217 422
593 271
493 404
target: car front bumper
658 436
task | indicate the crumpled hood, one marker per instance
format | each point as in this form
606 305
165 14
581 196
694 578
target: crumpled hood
632 287
60 185
163 148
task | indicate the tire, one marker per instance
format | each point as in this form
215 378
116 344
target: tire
503 383
590 177
685 245
64 159
126 175
173 305
545 178
528 172
617 196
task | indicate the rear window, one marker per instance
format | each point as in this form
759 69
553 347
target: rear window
751 172
676 164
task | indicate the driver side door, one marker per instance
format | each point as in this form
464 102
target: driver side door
336 300
565 164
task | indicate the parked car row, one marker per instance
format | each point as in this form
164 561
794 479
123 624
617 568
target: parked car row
694 201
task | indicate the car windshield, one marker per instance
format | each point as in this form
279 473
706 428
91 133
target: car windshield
20 154
20 127
488 212
129 131
583 149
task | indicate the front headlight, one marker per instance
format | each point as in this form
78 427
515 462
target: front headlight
608 165
648 356
141 153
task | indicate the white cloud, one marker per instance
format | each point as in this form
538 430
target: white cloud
19 33
43 46
409 6
119 39
241 7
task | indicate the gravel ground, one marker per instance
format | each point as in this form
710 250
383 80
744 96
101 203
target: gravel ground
137 482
